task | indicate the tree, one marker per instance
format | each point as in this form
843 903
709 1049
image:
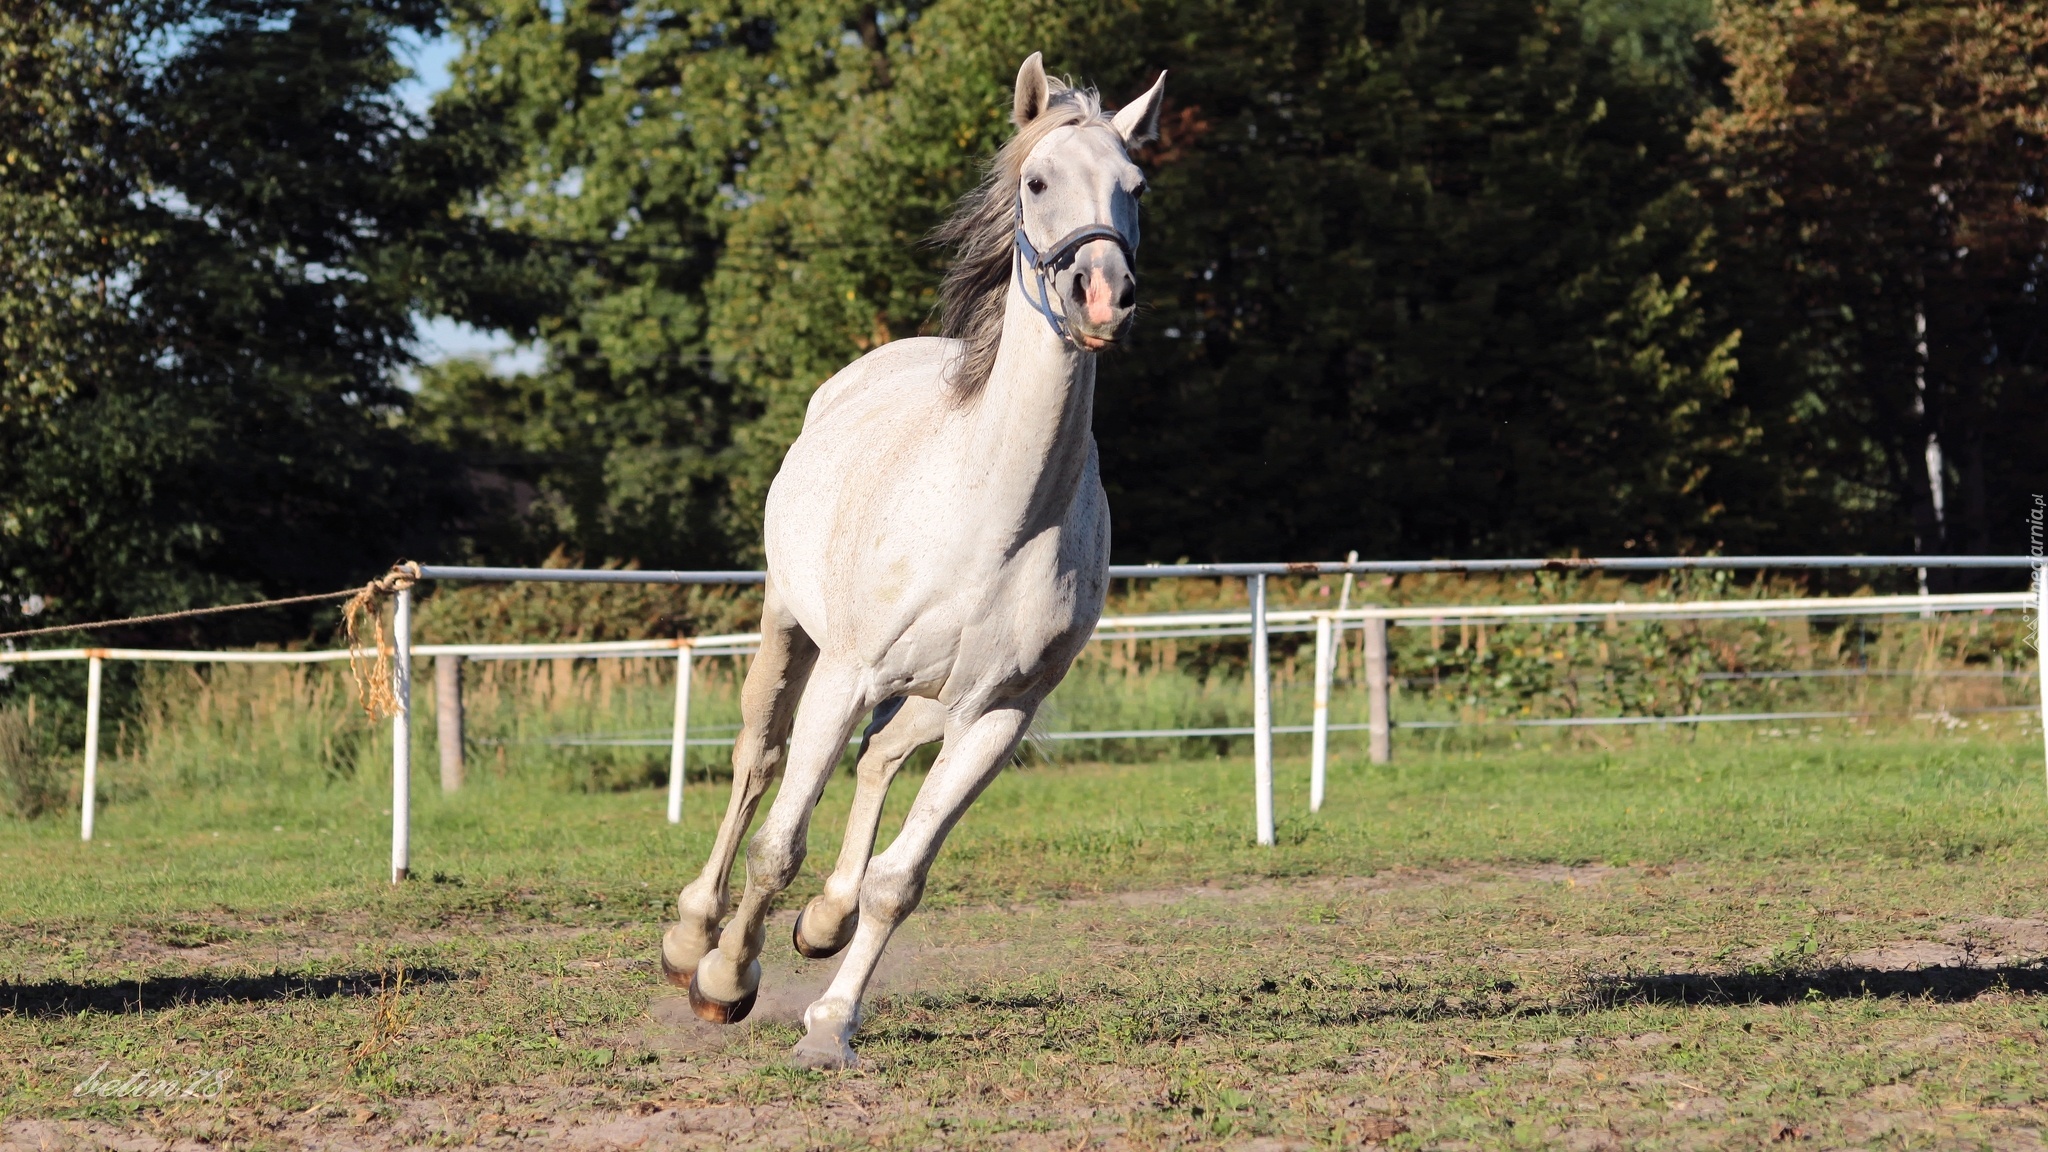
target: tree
228 199
1421 279
1424 280
738 193
1886 172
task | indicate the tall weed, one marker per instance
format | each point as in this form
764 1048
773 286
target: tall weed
33 770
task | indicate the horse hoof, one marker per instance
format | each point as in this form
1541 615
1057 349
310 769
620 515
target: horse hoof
717 1011
830 1054
680 977
811 952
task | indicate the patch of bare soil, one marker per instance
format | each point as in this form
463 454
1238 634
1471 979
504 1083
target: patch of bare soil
1388 880
1980 942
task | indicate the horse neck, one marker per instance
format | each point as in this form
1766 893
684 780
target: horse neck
1033 420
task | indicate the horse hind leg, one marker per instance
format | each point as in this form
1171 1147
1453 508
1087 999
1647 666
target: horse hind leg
775 681
900 727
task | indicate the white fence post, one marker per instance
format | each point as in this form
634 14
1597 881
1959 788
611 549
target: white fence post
1319 743
401 738
679 749
92 746
1379 685
448 720
1262 714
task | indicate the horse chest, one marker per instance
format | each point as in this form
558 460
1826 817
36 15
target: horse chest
1018 624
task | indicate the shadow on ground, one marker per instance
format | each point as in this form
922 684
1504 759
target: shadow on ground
59 998
1940 982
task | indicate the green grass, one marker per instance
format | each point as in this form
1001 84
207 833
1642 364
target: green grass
1666 944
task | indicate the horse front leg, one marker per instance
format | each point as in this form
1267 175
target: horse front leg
768 700
728 977
900 727
896 878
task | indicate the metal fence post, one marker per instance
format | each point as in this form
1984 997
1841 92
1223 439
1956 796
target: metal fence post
87 796
1319 743
679 749
401 738
448 719
1262 714
1378 686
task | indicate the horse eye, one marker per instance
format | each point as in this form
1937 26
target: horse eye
1138 193
1036 185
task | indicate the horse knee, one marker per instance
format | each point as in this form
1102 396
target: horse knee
754 763
891 891
879 766
773 861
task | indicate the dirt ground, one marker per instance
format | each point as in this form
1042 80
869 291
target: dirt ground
1582 1008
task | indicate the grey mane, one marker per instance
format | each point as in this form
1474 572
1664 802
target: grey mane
982 231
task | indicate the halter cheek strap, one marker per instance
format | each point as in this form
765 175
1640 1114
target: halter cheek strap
1055 260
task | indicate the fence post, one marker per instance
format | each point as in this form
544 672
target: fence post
448 719
1378 685
1262 714
1319 745
401 738
679 748
92 746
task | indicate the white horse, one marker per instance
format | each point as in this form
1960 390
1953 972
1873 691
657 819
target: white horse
938 549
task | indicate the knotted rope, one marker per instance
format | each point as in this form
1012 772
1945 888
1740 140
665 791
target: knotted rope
373 674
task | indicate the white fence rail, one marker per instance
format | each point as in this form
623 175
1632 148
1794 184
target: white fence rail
1256 622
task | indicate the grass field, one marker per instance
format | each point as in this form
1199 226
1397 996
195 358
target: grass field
1688 942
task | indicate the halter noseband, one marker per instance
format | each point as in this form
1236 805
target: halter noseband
1056 260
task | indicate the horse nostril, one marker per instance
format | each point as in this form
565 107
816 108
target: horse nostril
1080 288
1129 297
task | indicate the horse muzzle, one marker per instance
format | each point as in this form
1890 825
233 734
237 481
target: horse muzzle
1099 295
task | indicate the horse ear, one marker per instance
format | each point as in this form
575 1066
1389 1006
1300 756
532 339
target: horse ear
1033 93
1138 121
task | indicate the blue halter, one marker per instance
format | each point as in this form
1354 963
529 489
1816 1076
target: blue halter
1057 260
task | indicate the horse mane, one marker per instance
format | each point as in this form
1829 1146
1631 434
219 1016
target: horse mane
982 230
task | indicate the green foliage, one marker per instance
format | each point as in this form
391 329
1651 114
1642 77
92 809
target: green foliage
265 219
61 317
1884 168
1422 281
513 613
737 193
1438 256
